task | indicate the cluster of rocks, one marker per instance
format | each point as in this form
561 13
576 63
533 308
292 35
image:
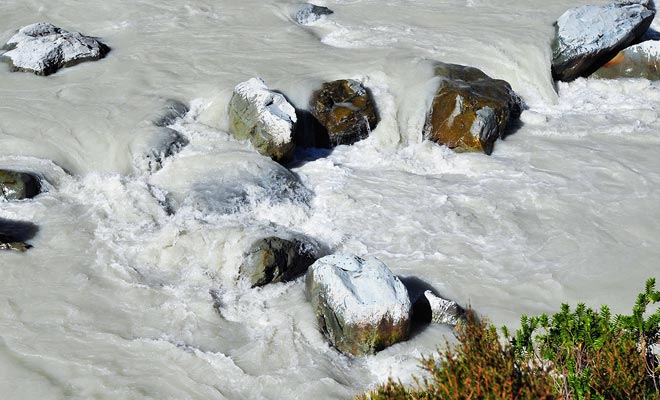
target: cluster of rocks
603 42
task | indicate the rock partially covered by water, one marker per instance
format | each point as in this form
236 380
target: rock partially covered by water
14 234
431 308
43 48
589 36
470 110
265 117
345 109
310 13
638 61
276 259
360 306
16 185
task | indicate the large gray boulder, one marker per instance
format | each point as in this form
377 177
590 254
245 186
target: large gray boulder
360 306
638 61
345 109
264 117
15 185
470 110
276 259
309 13
43 48
587 37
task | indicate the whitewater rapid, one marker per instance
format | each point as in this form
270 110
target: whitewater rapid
130 291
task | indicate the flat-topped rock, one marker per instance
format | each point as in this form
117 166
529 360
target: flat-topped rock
639 61
345 109
264 117
310 13
277 259
43 48
15 185
361 307
587 37
470 110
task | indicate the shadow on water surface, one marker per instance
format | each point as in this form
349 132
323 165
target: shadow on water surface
17 231
421 317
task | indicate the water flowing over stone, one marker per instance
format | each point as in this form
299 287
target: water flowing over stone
361 307
310 13
43 48
470 110
589 36
346 110
638 61
265 117
16 185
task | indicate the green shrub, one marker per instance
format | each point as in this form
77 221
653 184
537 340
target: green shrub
573 355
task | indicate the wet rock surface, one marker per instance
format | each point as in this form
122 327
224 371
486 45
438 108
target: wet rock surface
15 185
470 110
43 48
638 61
588 37
345 109
360 306
310 13
277 259
264 117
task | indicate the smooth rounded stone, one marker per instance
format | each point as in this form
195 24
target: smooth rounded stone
345 109
310 13
638 61
43 48
470 110
360 306
276 259
265 117
16 185
587 37
431 308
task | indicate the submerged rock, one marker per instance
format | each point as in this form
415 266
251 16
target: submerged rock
470 110
275 259
345 109
589 36
360 306
18 185
310 13
265 117
43 48
638 61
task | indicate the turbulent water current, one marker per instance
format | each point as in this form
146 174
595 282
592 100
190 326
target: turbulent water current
130 291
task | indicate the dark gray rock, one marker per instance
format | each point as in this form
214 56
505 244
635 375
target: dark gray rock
310 13
470 110
16 185
345 109
14 234
588 37
43 48
275 259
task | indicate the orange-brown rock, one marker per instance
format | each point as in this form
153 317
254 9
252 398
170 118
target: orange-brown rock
345 109
470 110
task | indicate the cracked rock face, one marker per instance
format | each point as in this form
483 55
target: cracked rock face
588 37
43 48
345 109
470 110
264 117
18 185
360 306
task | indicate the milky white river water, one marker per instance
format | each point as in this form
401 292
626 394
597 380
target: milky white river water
120 300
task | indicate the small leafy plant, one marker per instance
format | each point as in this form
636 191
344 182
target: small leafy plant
571 355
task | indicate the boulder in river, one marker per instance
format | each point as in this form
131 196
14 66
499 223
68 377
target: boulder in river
360 306
470 110
265 117
276 259
638 61
345 109
587 37
310 13
16 185
43 48
432 308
